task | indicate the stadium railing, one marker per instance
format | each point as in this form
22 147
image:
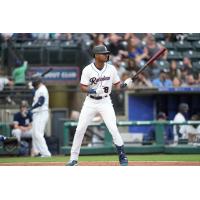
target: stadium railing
108 147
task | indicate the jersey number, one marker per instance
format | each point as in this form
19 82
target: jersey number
106 89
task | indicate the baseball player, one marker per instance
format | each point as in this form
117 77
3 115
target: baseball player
97 81
40 110
181 116
22 123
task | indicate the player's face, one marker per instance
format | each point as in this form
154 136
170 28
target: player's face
24 110
102 57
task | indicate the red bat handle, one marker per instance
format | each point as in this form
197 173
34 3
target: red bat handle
154 57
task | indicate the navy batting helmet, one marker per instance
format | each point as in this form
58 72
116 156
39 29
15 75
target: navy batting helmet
36 80
100 49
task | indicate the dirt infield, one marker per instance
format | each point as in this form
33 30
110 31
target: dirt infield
109 163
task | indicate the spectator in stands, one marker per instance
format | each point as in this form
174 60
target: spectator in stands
41 36
136 50
19 73
114 44
4 81
152 47
163 80
170 37
22 37
143 81
168 133
5 36
99 39
187 65
22 122
181 116
119 65
127 36
181 36
189 81
131 65
191 132
174 71
176 82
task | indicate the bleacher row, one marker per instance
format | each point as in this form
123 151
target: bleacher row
190 47
58 52
44 52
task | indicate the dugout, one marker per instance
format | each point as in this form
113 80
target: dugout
144 104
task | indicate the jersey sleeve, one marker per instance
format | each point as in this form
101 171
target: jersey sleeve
30 116
116 78
84 77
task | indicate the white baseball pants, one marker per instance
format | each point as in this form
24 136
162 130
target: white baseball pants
90 108
20 134
40 120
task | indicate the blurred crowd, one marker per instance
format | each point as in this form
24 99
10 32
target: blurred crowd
129 52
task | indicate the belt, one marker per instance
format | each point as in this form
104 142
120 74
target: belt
97 98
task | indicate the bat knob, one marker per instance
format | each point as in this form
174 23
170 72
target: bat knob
123 85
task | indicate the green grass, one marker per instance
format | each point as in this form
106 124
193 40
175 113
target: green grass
157 157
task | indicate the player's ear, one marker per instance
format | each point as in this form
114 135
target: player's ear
108 58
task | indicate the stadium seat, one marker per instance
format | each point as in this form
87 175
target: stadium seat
70 56
174 55
196 66
197 45
168 45
70 53
53 55
33 53
180 64
159 36
183 45
193 55
163 64
193 36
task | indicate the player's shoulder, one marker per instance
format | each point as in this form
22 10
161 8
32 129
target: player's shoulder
178 117
87 68
111 67
41 89
17 114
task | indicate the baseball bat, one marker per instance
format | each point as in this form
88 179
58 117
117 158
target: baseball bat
151 60
46 72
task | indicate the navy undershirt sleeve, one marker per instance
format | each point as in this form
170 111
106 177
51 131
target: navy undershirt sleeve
39 103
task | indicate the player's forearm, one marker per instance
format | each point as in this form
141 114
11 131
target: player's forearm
86 89
39 103
118 86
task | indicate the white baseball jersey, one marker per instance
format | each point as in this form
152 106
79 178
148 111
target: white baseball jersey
41 91
178 118
94 78
189 129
